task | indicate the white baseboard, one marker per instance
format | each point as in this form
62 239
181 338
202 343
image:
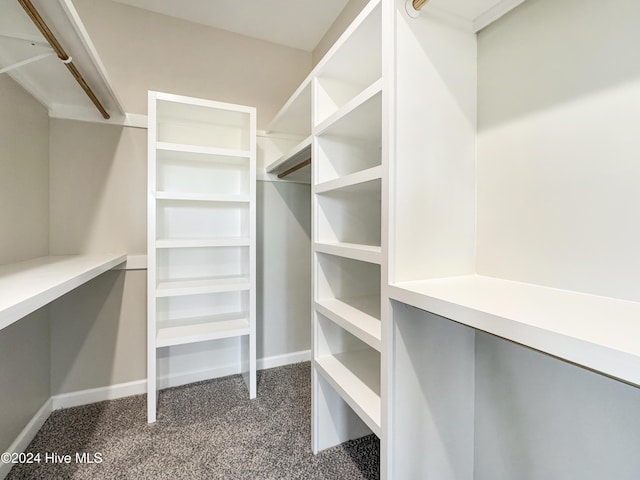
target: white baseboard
93 395
27 434
285 359
137 387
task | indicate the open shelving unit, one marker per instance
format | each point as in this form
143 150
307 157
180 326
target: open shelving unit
347 234
201 232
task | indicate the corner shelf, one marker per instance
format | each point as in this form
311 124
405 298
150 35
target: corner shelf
596 332
29 285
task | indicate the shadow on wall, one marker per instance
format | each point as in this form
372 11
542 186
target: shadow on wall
283 268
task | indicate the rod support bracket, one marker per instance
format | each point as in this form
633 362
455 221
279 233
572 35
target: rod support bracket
411 11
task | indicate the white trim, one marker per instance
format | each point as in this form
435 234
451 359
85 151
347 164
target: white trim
139 387
494 13
27 434
73 16
93 395
136 120
284 359
134 262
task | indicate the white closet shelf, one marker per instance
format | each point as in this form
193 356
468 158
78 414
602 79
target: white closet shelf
214 151
27 286
197 286
356 377
295 115
355 251
350 180
355 118
201 329
296 155
599 333
203 197
360 316
203 242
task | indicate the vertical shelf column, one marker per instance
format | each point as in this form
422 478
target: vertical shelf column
348 237
201 230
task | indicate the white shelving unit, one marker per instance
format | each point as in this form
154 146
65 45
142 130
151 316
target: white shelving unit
29 285
347 231
201 232
491 224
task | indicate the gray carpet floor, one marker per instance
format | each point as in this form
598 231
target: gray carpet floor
205 430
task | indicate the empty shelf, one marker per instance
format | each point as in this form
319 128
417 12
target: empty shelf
203 197
224 152
596 332
364 253
203 242
356 377
199 286
356 178
360 316
181 331
27 286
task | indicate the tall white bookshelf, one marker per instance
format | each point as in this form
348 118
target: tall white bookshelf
201 229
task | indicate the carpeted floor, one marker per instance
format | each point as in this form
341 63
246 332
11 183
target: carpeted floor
205 430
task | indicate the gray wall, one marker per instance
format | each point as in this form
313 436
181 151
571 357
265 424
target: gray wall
558 89
24 223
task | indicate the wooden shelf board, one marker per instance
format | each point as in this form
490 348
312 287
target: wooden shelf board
595 332
360 316
199 286
203 197
364 253
200 329
356 377
214 151
203 242
351 180
27 286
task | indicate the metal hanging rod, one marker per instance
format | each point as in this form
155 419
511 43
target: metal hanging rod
62 55
418 4
295 168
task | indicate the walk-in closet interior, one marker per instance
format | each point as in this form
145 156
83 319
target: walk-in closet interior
432 206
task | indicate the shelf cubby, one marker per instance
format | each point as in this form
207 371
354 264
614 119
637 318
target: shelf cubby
350 215
201 173
192 122
196 318
192 263
190 219
340 78
354 284
352 368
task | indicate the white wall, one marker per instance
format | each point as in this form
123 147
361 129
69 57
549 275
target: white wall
148 51
558 143
24 224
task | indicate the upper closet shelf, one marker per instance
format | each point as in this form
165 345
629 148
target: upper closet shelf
27 286
286 166
47 77
476 13
595 332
